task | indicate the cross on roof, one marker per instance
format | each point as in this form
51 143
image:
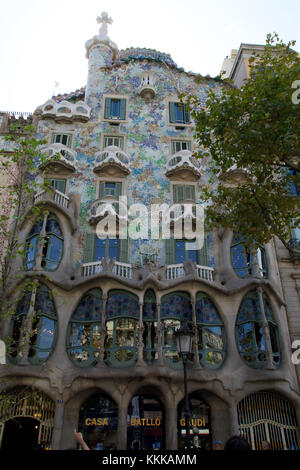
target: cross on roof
104 20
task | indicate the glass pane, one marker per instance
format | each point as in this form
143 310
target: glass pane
115 108
80 334
109 334
213 358
100 248
179 112
46 333
79 355
96 336
52 226
31 252
213 337
125 332
43 301
206 312
122 305
176 306
246 338
170 327
54 252
89 307
124 355
180 251
113 250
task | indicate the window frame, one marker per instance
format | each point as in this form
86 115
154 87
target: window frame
115 119
69 136
179 124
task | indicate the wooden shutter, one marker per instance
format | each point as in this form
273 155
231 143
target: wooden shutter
107 110
123 250
203 253
178 193
189 191
186 114
102 189
89 248
170 251
118 191
123 109
172 112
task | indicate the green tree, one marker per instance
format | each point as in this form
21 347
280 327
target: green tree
251 140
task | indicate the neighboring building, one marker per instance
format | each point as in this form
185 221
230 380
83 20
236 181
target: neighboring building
102 352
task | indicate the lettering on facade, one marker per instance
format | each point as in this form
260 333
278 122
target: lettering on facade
96 422
197 422
145 422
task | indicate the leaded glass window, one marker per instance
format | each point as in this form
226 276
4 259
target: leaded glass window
175 308
40 330
122 324
250 337
83 343
211 335
242 258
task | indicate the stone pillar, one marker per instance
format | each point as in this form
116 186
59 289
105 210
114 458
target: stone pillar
197 364
233 419
266 331
39 256
171 428
103 333
122 428
27 330
159 334
140 361
58 425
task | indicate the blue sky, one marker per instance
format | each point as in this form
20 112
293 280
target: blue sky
42 42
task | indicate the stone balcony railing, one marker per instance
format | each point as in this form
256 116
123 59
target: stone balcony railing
107 206
59 198
128 271
66 111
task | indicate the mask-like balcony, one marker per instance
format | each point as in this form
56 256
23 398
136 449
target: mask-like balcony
112 161
66 111
147 88
107 207
59 156
184 165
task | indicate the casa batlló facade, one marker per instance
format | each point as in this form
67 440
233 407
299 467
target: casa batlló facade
103 357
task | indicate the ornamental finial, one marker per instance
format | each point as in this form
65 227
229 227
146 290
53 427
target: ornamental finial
104 20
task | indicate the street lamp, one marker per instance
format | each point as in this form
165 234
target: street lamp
184 336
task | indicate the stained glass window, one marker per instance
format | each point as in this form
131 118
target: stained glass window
250 337
84 331
211 335
122 327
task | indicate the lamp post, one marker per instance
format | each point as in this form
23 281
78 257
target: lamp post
184 336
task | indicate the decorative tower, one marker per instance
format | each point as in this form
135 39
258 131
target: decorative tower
101 52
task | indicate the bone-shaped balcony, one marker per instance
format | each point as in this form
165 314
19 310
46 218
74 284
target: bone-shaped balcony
112 161
183 164
107 207
58 155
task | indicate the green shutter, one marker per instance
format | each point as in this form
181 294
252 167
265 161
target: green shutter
102 189
123 250
170 251
123 109
107 110
203 254
189 192
118 189
172 112
89 248
186 114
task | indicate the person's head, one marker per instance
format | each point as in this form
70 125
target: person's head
237 443
218 445
265 445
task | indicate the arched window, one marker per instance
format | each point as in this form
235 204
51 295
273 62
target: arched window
52 244
40 330
175 308
122 323
83 338
150 325
242 258
250 338
211 335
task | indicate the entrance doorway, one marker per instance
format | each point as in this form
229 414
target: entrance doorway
145 423
196 434
20 434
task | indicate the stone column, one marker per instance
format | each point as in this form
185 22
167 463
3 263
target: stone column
58 424
103 332
122 428
197 364
171 429
233 419
27 329
140 361
159 334
266 331
41 239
